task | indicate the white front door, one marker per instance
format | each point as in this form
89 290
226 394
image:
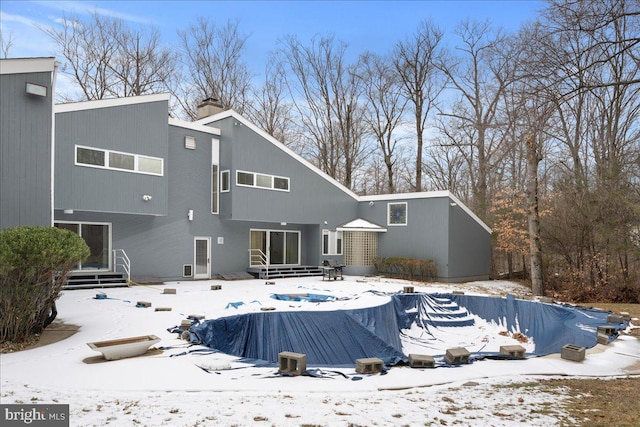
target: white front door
202 258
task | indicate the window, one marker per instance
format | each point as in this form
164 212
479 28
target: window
259 180
244 178
214 189
122 161
87 156
224 181
331 242
116 160
397 213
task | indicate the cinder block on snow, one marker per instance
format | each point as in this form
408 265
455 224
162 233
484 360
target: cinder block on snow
169 291
216 287
457 356
421 361
292 363
408 289
573 352
458 292
195 316
602 338
606 330
615 318
163 308
370 365
143 304
516 351
546 300
625 315
185 324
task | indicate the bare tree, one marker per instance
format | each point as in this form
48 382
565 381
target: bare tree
270 109
414 59
107 58
214 66
479 74
326 95
6 44
385 108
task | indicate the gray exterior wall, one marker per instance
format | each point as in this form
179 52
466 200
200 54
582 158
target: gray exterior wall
469 247
25 151
136 129
424 237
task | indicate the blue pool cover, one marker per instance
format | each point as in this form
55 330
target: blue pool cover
333 338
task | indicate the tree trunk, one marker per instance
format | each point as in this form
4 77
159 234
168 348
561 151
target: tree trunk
533 216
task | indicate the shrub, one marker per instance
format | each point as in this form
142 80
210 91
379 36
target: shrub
407 268
34 264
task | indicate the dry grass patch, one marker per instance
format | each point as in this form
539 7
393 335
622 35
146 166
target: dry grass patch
632 309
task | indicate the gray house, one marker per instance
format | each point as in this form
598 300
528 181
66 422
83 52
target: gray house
178 200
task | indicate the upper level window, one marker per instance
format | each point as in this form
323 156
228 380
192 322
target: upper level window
397 213
116 160
224 181
259 180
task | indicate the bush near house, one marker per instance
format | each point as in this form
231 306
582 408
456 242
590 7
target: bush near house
34 264
407 268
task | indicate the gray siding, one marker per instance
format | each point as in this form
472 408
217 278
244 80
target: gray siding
424 237
25 151
311 199
469 247
136 129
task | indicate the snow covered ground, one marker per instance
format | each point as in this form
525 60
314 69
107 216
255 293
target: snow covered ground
167 389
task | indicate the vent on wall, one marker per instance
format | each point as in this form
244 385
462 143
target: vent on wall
187 270
190 142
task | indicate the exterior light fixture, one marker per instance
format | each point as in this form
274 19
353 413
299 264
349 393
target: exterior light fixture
34 89
190 214
68 211
146 197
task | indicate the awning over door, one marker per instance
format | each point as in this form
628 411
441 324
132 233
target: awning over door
361 225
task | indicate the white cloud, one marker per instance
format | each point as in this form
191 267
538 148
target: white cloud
85 8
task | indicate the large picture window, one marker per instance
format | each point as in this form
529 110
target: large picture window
116 160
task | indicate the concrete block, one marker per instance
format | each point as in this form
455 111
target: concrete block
185 324
606 330
163 308
625 315
195 317
370 365
169 291
572 352
458 292
216 287
408 289
545 300
269 282
516 351
267 308
143 304
615 318
292 363
457 356
603 338
421 361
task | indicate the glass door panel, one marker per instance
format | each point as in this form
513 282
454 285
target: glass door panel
292 249
201 258
258 242
276 247
97 238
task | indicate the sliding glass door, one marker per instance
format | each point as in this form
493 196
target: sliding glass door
280 247
98 238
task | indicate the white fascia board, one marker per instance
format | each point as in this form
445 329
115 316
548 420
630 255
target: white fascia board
360 224
425 195
194 126
112 102
27 65
231 113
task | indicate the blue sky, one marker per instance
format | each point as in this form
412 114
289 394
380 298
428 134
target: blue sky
364 25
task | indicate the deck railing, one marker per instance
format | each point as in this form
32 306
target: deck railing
259 258
121 260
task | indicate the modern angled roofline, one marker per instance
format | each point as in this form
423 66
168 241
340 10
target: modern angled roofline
111 102
231 113
27 65
193 126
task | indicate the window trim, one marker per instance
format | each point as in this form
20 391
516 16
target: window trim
228 174
106 165
262 187
215 189
406 214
